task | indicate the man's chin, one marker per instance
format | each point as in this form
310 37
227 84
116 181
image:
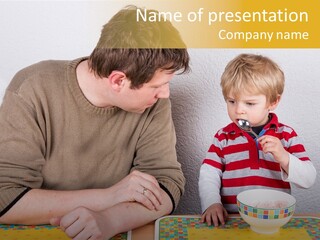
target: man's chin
139 111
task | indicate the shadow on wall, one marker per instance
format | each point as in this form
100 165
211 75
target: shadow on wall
185 100
196 115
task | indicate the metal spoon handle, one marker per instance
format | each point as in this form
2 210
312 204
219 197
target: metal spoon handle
251 131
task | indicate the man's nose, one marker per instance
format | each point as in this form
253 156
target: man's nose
164 92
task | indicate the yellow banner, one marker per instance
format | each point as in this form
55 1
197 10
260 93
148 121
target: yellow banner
240 23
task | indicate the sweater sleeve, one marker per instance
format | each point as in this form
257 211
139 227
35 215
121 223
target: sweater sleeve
301 170
21 150
301 173
156 151
209 186
211 174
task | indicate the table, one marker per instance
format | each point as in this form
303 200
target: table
146 232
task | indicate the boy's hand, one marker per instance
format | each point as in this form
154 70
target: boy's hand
215 214
274 146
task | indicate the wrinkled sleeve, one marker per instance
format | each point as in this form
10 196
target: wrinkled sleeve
302 172
21 149
210 175
156 151
209 186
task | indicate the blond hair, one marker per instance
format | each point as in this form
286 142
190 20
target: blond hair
255 74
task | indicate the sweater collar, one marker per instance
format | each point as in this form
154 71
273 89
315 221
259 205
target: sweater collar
78 94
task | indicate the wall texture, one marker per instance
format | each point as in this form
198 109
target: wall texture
35 30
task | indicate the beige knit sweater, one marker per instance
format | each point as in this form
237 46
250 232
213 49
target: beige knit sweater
51 137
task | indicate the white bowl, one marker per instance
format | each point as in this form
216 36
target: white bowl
265 210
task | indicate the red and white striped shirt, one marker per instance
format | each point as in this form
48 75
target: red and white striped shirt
235 162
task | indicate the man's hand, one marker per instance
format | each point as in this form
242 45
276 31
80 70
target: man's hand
139 187
137 192
83 223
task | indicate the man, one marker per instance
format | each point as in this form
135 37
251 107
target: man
89 144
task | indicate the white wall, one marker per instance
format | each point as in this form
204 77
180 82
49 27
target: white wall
36 30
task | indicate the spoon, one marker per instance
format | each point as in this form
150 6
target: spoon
245 126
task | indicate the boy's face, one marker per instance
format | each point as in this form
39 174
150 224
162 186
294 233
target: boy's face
253 108
138 100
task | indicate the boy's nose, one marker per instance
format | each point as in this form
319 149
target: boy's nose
239 109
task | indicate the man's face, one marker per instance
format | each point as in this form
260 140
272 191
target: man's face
138 100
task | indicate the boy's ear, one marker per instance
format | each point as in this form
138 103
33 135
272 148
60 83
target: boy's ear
274 105
117 80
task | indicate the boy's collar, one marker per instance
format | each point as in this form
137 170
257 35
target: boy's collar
272 124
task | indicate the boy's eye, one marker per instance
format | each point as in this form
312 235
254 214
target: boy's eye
231 101
250 104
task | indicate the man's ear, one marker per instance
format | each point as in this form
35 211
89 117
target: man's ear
274 105
117 80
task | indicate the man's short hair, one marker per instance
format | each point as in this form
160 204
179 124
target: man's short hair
138 48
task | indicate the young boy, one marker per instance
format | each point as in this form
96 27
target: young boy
252 86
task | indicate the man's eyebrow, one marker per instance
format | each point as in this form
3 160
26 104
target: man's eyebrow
160 84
